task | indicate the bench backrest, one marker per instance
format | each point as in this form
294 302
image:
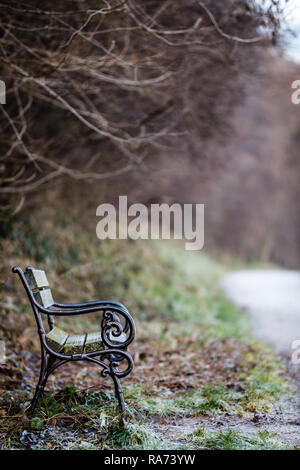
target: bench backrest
39 285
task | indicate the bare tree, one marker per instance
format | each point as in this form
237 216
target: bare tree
96 87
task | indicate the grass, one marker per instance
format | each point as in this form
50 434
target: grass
233 440
193 352
91 418
209 401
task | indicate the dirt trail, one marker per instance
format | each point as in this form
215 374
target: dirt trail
272 299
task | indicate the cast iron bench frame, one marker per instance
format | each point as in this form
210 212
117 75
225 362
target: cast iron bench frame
111 326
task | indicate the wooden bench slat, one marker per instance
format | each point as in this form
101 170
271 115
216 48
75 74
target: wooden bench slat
36 278
74 344
60 341
56 339
117 339
93 342
44 297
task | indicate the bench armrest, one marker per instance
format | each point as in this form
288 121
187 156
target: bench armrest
110 318
92 303
68 311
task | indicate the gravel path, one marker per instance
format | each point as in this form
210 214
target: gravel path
272 299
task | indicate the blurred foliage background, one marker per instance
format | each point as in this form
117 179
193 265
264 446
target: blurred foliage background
163 101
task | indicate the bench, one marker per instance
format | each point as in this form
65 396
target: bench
106 347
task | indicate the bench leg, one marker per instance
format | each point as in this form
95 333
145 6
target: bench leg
42 382
119 395
38 393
